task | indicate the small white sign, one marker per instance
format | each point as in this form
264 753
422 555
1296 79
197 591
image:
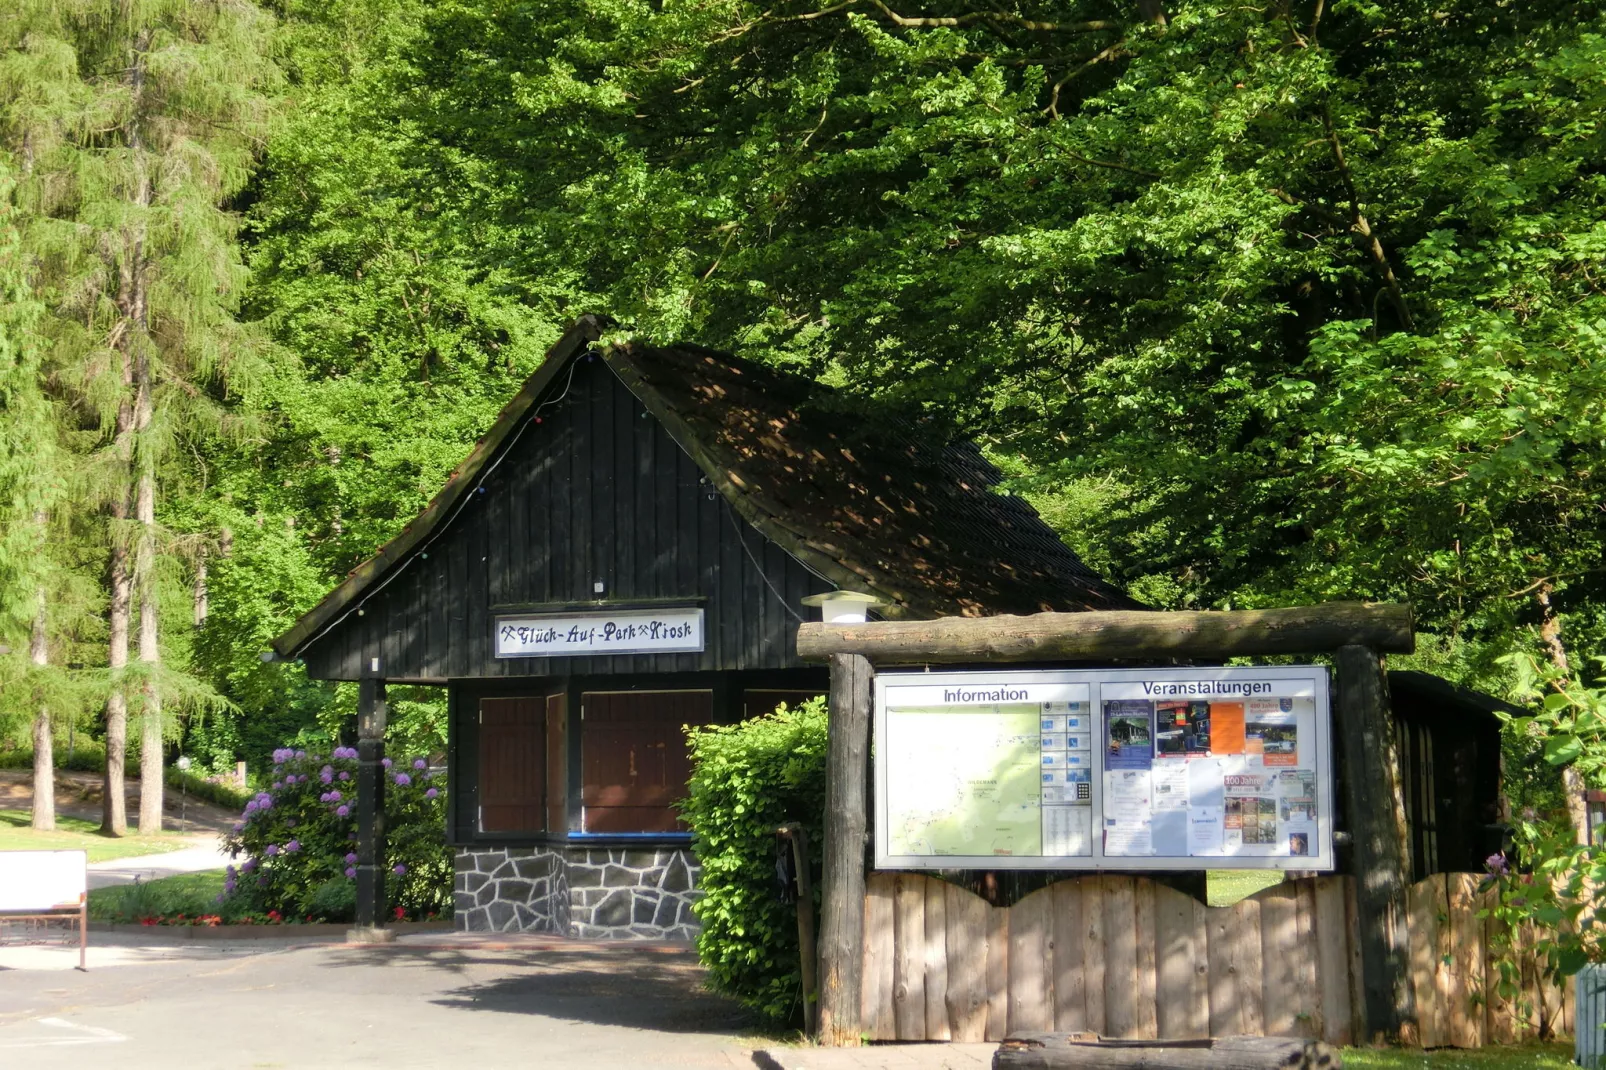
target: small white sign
42 880
620 631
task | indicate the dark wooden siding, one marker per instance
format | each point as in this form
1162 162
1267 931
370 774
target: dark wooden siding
593 489
635 757
513 764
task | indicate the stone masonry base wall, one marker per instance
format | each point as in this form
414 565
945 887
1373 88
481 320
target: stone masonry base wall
589 892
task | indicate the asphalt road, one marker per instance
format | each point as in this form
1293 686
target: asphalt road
439 1005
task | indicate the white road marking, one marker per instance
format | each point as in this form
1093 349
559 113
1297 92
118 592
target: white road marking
79 1034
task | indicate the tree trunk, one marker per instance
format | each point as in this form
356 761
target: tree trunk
114 810
1572 781
44 755
201 603
127 338
150 749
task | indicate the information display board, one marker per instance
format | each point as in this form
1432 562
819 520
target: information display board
1104 769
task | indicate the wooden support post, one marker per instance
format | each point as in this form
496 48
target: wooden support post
1375 811
842 890
371 718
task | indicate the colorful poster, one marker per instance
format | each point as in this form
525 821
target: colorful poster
1128 734
1226 728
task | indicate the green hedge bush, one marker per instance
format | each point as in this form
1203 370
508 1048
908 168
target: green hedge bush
748 779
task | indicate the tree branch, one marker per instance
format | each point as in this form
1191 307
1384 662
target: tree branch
1053 109
1362 228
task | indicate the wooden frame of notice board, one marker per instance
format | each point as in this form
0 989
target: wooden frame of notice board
1236 769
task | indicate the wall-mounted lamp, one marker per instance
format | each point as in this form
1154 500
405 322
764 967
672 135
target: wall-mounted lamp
843 607
1595 811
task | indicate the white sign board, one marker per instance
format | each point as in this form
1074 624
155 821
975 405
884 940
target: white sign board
1104 769
42 880
671 630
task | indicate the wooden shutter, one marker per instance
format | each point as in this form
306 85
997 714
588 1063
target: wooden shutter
634 756
557 762
513 764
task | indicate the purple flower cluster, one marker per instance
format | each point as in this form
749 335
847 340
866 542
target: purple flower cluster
289 838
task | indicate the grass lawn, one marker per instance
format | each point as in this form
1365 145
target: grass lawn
186 893
74 834
1523 1056
1224 887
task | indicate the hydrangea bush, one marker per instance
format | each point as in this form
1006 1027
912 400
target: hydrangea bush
295 845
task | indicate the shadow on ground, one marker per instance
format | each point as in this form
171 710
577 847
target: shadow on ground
639 987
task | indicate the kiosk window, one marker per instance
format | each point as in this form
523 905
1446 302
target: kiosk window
513 764
634 757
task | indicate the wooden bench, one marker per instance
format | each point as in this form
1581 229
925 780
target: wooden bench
46 886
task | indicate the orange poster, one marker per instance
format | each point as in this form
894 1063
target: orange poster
1226 728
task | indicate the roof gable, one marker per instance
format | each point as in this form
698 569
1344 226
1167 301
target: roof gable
870 504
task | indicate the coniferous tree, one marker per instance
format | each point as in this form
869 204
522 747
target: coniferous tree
141 125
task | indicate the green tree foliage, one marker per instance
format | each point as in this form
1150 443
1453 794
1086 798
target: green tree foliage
1278 303
747 780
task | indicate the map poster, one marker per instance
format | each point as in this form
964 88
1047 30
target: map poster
1121 769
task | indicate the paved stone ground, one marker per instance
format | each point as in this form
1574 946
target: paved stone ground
472 1001
144 1006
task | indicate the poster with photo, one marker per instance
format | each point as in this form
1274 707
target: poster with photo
1128 734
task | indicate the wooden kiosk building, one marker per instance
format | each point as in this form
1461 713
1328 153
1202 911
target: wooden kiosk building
628 487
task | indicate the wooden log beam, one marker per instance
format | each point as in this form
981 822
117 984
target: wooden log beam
842 881
1121 635
1060 1051
1374 811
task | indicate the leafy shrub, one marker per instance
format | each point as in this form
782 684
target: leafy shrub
88 756
747 780
211 791
299 837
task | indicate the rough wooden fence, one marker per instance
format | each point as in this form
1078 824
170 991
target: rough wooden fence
1457 981
1126 957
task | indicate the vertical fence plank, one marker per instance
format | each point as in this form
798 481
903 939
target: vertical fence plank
1422 922
1070 980
1226 1010
1251 980
1442 959
967 964
1332 960
909 962
1120 958
879 941
1357 983
936 956
1307 975
1279 935
1531 999
1031 995
1182 998
1143 896
1467 937
997 973
1093 952
1499 1023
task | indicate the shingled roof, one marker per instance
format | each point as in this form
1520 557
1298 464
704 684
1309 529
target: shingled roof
869 501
